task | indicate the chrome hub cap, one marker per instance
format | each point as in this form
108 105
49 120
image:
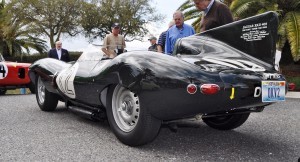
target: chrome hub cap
41 91
125 108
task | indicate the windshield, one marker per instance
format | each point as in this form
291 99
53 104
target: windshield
91 53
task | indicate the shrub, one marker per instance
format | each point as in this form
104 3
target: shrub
34 57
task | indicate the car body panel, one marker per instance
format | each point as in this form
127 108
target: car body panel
161 80
13 75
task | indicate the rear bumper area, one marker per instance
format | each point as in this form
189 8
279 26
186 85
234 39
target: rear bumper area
176 103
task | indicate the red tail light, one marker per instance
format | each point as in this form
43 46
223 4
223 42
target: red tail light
209 89
292 86
191 88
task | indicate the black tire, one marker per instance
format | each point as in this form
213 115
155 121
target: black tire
140 127
227 122
46 100
2 91
31 87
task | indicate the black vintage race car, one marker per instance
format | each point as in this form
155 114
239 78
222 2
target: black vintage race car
221 75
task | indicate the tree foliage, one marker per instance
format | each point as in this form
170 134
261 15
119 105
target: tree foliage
15 37
192 13
289 19
133 15
3 47
52 19
49 18
288 11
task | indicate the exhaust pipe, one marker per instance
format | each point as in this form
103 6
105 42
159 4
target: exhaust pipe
82 112
92 114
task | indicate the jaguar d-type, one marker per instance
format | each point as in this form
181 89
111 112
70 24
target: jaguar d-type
220 76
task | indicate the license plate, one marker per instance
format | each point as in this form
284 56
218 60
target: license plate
273 91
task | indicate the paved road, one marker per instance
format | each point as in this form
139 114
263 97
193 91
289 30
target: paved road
28 134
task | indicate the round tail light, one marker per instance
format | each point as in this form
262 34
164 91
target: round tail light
292 86
191 88
209 89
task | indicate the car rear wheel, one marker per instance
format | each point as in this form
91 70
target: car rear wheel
2 91
227 122
46 100
129 118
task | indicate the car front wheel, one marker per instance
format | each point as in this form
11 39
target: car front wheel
2 91
129 118
31 87
227 122
46 100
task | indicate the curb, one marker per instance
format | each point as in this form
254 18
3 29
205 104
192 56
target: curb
293 95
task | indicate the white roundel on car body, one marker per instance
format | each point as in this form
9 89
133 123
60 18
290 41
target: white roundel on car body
65 80
3 70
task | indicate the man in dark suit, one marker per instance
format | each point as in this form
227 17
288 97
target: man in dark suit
214 14
59 53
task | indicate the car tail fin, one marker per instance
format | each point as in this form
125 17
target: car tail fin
255 36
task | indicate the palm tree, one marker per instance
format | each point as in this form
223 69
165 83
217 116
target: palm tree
289 19
3 47
15 36
288 11
18 38
192 13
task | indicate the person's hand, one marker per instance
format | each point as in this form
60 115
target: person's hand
105 56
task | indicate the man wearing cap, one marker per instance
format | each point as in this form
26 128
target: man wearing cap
153 46
114 43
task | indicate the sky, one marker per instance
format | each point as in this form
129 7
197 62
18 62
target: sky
165 7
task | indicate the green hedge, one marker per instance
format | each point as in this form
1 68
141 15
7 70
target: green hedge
32 58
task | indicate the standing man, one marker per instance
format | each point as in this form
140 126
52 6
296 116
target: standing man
114 43
179 30
59 53
153 46
215 14
162 39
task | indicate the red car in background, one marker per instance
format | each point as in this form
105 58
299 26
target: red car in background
14 75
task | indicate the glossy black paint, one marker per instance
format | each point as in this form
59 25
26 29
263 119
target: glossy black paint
230 35
161 80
